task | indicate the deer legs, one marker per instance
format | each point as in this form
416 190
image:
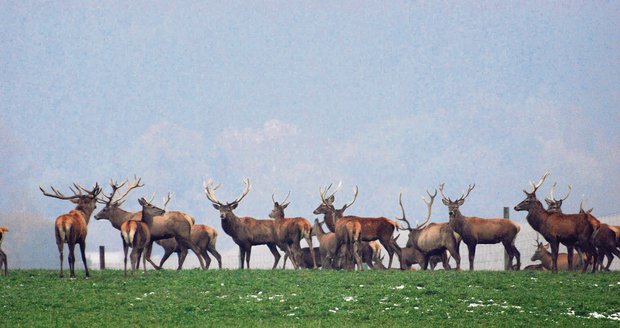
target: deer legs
3 262
472 255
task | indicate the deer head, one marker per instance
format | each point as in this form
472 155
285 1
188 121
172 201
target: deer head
555 205
148 209
85 202
111 204
226 210
530 197
327 202
453 206
278 208
582 210
541 250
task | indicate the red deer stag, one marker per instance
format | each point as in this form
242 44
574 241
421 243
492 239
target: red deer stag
555 205
569 229
432 238
350 230
290 231
543 255
204 236
71 228
245 231
3 261
163 228
475 230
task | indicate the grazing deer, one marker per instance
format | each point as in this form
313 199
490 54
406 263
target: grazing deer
569 229
432 238
327 245
543 255
3 261
203 236
162 227
290 231
245 231
475 230
71 228
137 235
354 229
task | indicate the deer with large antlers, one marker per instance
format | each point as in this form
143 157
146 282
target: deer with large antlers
245 231
3 261
433 238
290 231
369 229
475 230
71 228
555 205
163 228
569 229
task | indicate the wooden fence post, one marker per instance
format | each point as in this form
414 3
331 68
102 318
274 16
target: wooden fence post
506 257
102 257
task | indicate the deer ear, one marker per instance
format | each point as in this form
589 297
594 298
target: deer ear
216 206
276 204
331 199
445 202
461 202
233 206
548 201
285 205
546 246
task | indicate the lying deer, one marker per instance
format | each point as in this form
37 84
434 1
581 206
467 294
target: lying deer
71 228
3 261
543 255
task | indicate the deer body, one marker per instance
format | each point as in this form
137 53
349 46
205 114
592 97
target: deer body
327 244
475 230
290 231
137 235
543 255
3 259
203 236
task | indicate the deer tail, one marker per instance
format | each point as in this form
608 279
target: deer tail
63 228
129 233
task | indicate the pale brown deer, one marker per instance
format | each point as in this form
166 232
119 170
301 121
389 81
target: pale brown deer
432 238
245 231
170 224
3 258
203 236
410 255
290 231
369 229
71 228
475 230
569 229
137 235
163 228
543 255
327 244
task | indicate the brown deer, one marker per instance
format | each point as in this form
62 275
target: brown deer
71 228
203 236
535 267
411 255
603 238
370 229
543 255
137 235
432 238
327 244
307 262
245 231
569 229
475 230
162 227
555 205
290 231
3 261
171 224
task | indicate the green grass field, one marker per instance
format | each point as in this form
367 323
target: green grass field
309 298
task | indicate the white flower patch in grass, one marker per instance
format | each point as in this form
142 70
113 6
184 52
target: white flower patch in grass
419 287
334 310
398 287
349 299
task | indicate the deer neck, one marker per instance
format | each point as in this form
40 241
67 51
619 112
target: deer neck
147 218
457 222
330 220
87 213
536 216
119 216
232 224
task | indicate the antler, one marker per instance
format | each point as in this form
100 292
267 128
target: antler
76 194
167 200
283 203
115 186
537 185
58 194
135 184
246 190
442 194
537 241
430 207
570 188
469 189
355 192
404 218
210 192
323 192
581 210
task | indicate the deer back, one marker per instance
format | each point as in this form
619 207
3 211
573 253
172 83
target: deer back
76 221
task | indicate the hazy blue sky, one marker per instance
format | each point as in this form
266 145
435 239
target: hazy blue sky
391 96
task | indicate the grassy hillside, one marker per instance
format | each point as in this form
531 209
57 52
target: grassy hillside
309 298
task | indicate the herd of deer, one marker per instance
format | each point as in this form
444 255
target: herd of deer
351 241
